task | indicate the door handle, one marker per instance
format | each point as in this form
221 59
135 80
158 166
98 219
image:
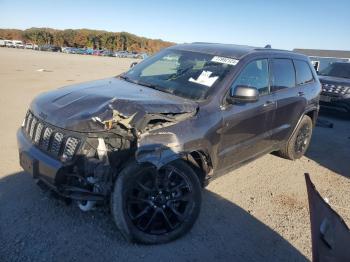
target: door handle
301 93
268 103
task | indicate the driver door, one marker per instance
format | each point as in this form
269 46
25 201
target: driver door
247 126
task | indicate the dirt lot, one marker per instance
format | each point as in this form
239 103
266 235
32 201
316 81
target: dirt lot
256 213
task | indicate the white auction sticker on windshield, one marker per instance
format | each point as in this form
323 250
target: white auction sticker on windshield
225 60
204 79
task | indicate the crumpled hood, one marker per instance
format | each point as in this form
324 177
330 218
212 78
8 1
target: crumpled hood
76 107
334 80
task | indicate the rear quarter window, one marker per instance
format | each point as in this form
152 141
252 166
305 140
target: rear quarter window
282 74
303 72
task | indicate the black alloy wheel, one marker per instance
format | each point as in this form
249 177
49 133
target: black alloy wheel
299 141
302 139
153 205
160 200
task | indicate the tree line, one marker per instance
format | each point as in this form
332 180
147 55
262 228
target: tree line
96 39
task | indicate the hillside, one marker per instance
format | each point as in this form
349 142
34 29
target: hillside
96 39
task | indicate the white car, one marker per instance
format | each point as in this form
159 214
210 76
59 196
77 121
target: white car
29 46
18 44
9 43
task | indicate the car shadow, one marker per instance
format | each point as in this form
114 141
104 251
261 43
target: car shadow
330 147
36 227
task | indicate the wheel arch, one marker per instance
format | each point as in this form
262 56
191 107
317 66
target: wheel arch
313 114
159 156
310 112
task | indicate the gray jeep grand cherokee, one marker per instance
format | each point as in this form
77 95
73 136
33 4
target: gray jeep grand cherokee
147 140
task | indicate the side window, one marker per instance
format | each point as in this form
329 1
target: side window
282 74
255 74
303 72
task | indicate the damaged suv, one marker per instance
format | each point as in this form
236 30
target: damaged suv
148 140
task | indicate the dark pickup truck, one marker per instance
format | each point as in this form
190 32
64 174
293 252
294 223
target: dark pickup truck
148 140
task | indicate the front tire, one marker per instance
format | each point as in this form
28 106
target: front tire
153 206
299 142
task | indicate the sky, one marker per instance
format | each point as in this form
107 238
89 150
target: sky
284 24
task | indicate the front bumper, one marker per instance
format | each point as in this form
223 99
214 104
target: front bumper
50 171
36 162
335 103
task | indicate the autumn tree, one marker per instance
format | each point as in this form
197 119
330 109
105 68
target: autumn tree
96 39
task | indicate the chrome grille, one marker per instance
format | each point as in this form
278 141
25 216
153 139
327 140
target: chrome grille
335 90
46 138
50 139
28 122
38 131
56 143
71 145
32 127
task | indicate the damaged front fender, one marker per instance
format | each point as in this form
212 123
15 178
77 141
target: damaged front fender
158 148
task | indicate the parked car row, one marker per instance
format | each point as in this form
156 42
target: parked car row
17 44
90 51
71 50
130 54
50 48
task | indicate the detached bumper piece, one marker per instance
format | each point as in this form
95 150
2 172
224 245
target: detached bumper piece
330 234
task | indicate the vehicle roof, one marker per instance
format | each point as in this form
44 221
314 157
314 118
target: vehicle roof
230 50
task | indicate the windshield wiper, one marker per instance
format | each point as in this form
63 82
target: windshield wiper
153 86
128 79
156 87
124 77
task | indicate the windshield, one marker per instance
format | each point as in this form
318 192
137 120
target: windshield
182 73
337 70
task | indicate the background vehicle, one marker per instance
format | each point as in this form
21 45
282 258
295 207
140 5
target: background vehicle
50 48
125 54
29 46
18 44
10 43
335 80
107 53
142 55
148 140
98 52
65 49
88 51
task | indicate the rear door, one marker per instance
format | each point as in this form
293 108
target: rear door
246 132
289 97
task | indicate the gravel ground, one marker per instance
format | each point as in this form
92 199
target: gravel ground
256 213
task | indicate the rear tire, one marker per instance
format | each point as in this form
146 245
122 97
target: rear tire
153 206
299 141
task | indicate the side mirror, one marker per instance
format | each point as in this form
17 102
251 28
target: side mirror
243 94
133 64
